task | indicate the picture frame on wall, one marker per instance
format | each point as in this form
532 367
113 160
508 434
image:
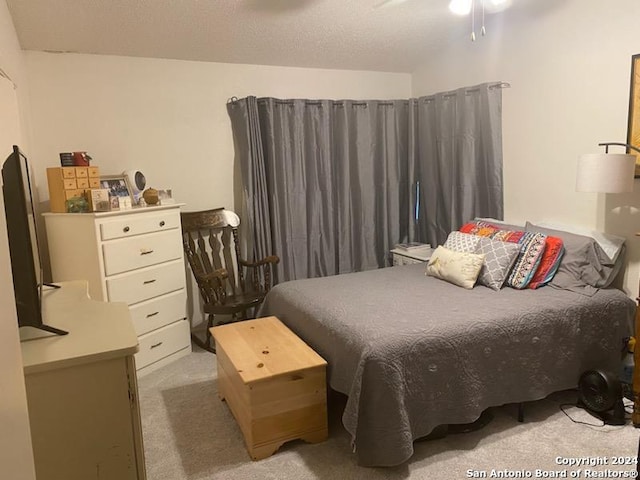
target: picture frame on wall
118 186
633 125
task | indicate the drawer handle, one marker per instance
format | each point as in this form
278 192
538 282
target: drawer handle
146 252
156 345
162 223
147 282
125 229
152 314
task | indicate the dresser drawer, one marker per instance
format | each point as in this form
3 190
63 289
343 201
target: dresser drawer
72 193
137 224
150 282
158 344
141 251
68 172
158 312
412 261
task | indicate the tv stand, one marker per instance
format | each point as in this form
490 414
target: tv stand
82 392
50 329
43 327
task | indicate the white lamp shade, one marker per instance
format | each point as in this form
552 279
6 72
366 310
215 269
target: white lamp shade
605 172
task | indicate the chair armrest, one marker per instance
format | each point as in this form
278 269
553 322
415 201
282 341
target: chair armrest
273 259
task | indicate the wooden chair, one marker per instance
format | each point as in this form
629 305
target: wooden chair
228 284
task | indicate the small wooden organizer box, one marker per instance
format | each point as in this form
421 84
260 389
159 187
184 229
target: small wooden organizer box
68 182
274 384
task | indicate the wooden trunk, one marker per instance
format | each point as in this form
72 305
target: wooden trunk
274 384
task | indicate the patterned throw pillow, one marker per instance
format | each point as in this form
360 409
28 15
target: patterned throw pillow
461 269
531 249
498 260
462 242
553 252
482 229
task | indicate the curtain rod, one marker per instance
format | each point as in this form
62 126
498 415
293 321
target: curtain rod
340 103
453 93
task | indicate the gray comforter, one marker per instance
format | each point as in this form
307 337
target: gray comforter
413 352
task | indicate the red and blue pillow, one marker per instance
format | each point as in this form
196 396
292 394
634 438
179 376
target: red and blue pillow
551 258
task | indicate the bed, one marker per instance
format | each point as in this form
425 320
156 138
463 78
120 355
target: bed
413 352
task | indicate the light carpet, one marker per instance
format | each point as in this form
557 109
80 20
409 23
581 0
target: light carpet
190 434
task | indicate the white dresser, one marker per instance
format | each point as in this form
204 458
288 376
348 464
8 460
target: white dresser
133 256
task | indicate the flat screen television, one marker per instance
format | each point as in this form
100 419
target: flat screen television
22 233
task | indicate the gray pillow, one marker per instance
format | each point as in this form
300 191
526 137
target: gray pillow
498 260
585 267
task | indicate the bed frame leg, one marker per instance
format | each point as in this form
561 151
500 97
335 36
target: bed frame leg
521 412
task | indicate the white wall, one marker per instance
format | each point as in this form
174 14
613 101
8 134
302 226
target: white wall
16 457
569 68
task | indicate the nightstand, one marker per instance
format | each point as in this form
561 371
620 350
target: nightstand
407 257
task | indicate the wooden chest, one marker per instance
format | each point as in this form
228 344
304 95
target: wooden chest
274 384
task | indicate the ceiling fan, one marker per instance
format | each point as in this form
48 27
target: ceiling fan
463 7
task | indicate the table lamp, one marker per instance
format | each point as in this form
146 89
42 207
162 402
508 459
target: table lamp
606 172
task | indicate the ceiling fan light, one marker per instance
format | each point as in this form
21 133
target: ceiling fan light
498 5
460 7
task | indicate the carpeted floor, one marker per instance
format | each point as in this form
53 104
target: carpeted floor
190 434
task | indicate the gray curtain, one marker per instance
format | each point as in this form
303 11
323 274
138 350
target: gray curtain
255 225
330 186
458 159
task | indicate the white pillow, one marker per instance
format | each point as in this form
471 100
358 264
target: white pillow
459 268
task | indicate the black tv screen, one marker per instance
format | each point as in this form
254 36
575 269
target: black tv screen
23 241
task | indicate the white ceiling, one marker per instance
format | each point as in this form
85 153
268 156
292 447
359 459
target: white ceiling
340 34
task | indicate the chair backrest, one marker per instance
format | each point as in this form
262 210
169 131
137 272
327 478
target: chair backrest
210 241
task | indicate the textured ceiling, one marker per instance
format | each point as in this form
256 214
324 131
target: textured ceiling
343 34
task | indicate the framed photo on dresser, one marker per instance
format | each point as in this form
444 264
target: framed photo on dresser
118 186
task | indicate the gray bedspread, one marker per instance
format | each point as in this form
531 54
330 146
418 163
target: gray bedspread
413 352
